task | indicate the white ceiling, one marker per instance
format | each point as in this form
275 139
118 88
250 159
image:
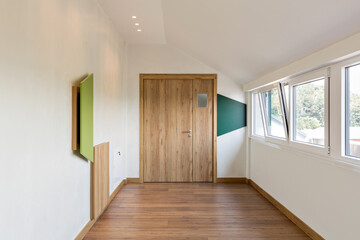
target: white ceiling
241 38
148 14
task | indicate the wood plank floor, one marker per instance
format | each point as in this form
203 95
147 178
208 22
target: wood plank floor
192 211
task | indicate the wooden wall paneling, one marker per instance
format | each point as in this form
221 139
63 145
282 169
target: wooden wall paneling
75 118
203 132
100 179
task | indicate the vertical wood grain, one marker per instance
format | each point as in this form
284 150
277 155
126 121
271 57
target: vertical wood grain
100 179
213 118
155 167
178 142
203 132
167 117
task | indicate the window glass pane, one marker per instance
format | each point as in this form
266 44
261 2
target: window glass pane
202 100
287 96
353 111
273 113
258 128
309 112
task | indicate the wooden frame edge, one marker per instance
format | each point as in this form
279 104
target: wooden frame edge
141 155
142 77
133 180
75 90
215 128
232 180
188 76
292 217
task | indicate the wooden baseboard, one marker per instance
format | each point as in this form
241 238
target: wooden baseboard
231 180
91 223
297 221
133 180
117 190
85 230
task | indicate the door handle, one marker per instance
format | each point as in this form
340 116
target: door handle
187 131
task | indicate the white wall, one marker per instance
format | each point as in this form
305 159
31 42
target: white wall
321 189
167 59
322 194
45 47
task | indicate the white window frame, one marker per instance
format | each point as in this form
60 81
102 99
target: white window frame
253 134
323 73
342 66
334 113
268 137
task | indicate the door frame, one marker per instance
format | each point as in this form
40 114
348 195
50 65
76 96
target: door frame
210 77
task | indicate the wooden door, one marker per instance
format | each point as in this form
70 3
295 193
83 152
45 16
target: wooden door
203 130
167 118
171 106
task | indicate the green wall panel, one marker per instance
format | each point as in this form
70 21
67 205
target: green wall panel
86 117
231 115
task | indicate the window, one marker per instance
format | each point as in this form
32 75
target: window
303 112
258 128
273 112
286 95
202 100
309 112
352 111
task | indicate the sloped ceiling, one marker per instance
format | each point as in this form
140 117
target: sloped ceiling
240 38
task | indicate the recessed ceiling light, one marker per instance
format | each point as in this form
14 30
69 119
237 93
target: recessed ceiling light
137 24
133 17
139 30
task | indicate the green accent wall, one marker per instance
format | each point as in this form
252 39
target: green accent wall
86 117
231 115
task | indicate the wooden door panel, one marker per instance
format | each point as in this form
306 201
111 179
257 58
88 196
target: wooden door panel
170 109
167 114
154 131
178 121
203 132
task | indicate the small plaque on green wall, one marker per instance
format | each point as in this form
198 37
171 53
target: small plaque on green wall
86 117
231 115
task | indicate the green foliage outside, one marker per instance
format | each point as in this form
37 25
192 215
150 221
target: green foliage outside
355 110
310 106
275 104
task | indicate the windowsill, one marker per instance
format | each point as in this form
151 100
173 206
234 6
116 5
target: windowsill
258 137
345 162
